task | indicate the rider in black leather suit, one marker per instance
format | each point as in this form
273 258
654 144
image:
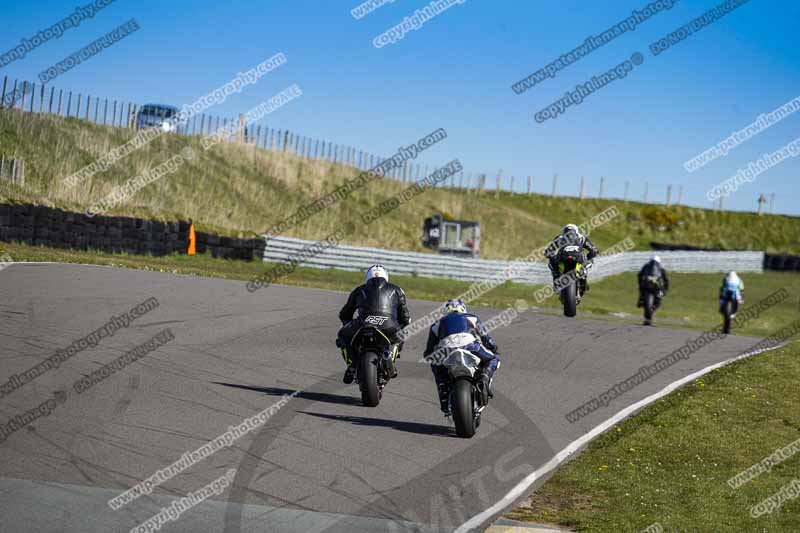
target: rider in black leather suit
656 269
570 235
376 297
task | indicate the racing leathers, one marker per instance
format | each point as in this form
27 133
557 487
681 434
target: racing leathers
376 298
570 238
732 288
653 269
465 331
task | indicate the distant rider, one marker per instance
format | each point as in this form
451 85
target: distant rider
459 329
734 284
570 236
655 269
376 297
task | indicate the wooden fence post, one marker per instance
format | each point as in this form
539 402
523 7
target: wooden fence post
24 90
555 184
602 186
669 195
3 95
14 94
646 187
583 188
530 184
50 107
627 186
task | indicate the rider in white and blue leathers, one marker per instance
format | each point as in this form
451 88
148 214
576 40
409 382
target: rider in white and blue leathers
734 285
459 329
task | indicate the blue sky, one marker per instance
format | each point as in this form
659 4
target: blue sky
456 72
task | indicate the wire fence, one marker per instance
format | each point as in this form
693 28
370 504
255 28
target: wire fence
41 98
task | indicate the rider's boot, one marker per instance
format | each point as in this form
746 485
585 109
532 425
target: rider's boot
444 398
484 383
350 373
390 356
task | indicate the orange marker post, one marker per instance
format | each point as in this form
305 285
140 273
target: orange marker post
192 240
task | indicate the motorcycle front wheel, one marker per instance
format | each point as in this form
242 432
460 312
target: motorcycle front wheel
649 305
727 310
570 299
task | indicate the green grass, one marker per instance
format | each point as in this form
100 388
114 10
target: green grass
240 191
670 463
691 303
692 300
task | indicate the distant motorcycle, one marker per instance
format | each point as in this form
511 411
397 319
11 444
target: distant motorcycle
728 309
467 400
651 287
375 359
573 268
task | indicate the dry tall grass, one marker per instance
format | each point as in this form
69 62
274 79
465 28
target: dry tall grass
239 190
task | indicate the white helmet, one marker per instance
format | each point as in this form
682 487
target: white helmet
656 259
455 306
570 227
377 271
732 276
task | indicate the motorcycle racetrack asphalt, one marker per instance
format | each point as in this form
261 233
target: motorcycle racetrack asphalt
321 462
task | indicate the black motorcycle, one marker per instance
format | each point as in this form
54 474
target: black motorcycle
727 308
375 362
651 287
467 400
572 268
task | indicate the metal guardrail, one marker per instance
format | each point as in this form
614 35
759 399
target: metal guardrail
356 258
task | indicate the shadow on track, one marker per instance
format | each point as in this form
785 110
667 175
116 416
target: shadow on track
409 427
306 395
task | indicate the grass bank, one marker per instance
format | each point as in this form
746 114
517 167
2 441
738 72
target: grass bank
691 303
241 190
670 463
